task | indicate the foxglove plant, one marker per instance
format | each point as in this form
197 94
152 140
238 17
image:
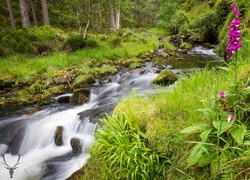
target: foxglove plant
223 129
234 43
233 40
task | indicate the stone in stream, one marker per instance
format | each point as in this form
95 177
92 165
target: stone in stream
80 96
76 145
58 138
166 77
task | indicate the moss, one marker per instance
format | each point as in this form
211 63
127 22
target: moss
37 87
166 77
60 89
106 69
83 80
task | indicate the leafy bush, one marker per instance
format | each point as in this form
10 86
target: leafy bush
116 41
90 43
75 42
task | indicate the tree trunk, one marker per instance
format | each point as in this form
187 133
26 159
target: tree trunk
80 16
111 16
12 19
99 15
24 14
33 12
45 12
88 22
117 22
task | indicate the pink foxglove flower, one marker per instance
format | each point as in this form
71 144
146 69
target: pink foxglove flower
233 40
223 95
230 117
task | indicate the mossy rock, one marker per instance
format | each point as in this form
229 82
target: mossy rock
56 90
37 87
165 78
59 73
83 80
135 65
80 96
58 138
76 145
186 45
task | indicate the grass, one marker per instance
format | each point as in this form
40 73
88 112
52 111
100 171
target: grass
158 119
22 69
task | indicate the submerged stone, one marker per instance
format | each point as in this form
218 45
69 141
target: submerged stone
58 139
80 96
76 145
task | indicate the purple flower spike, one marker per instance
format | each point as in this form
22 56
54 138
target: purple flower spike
223 95
230 117
234 34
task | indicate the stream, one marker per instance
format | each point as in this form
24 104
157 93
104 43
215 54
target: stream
32 136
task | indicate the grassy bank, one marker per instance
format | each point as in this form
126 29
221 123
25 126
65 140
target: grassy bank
142 139
26 77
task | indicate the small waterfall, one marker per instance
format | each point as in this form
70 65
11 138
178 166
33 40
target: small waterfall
32 136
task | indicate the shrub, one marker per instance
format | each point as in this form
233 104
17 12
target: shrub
116 41
90 43
75 42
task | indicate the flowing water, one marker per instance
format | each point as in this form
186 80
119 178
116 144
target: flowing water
32 136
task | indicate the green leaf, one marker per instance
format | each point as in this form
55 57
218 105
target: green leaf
195 128
205 160
195 154
226 69
205 134
238 134
209 115
224 126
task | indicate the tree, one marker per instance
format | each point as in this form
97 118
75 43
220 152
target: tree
88 21
45 12
33 12
114 16
24 14
12 19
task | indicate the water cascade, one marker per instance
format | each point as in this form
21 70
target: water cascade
32 136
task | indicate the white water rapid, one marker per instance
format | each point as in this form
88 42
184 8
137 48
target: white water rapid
33 136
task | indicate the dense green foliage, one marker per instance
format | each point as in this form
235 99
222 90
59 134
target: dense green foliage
201 21
52 57
159 121
189 123
145 137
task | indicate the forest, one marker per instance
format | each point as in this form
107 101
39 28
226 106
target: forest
195 125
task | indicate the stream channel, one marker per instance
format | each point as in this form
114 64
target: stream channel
32 136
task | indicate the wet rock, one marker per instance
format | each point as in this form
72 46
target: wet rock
95 114
58 138
166 77
80 96
76 145
63 99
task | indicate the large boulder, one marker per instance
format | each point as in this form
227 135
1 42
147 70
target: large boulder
165 78
58 139
80 96
76 145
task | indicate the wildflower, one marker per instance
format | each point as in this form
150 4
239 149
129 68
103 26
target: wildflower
230 117
234 43
223 95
